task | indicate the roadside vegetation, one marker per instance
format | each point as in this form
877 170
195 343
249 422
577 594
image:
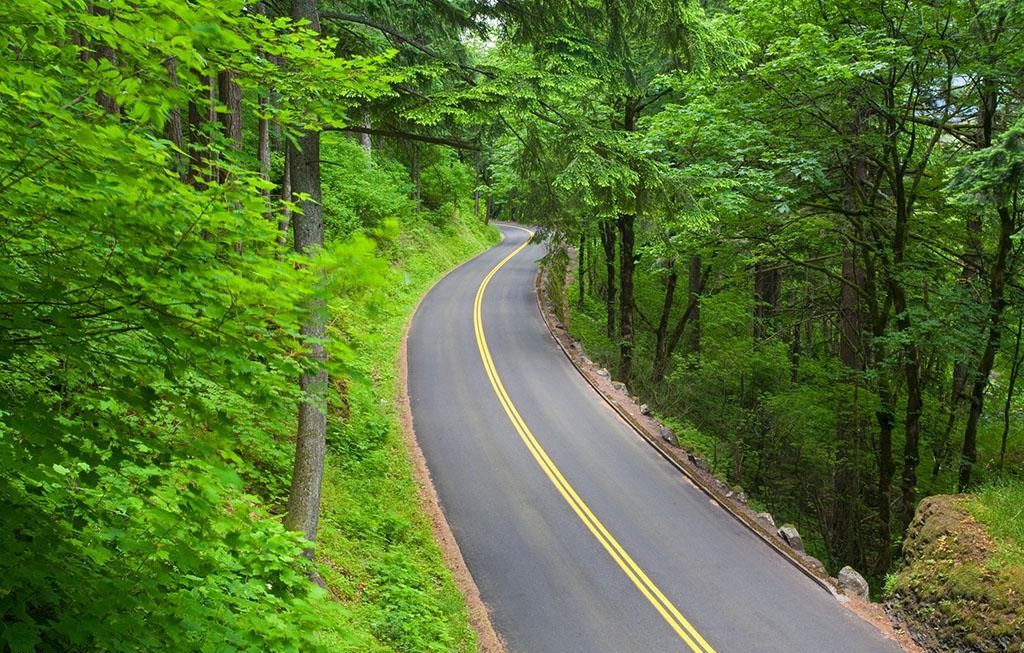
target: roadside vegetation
797 238
375 543
188 234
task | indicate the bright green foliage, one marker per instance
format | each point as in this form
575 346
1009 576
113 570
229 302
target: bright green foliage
380 559
384 563
1000 507
148 334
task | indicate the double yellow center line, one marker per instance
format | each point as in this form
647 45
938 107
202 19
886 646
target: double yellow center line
671 614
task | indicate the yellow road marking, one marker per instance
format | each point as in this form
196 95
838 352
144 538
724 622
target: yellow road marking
671 614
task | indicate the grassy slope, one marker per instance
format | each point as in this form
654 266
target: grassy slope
1001 509
379 557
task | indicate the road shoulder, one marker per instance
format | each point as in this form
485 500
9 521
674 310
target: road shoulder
488 640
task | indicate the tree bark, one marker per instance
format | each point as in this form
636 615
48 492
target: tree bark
987 105
608 245
200 116
627 265
695 289
414 172
285 223
767 293
847 483
310 445
886 418
877 316
263 148
914 406
476 187
173 130
661 352
230 96
972 255
675 335
997 306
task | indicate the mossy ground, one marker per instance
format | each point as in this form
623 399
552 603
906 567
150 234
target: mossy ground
960 588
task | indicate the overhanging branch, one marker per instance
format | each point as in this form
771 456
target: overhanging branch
457 143
399 36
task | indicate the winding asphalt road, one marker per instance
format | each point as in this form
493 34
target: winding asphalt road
579 535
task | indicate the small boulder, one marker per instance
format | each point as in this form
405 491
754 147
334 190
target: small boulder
603 372
668 435
586 361
767 517
644 409
619 385
852 583
791 535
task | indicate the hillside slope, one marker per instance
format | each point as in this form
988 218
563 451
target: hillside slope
960 587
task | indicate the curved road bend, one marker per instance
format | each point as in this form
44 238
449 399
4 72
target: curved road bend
579 535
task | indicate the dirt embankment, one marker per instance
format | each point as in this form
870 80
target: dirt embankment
954 592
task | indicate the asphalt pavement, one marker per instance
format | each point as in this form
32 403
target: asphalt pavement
579 535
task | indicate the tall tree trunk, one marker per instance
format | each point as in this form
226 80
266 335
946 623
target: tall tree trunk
878 318
695 289
661 334
914 406
230 96
997 306
627 266
626 224
201 116
767 293
264 103
972 256
476 187
886 417
174 130
846 523
310 445
903 203
608 245
987 105
285 223
104 51
263 147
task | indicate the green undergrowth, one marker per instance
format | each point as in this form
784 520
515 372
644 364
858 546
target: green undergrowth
375 545
1000 508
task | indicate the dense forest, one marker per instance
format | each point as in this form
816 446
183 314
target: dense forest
793 230
798 239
